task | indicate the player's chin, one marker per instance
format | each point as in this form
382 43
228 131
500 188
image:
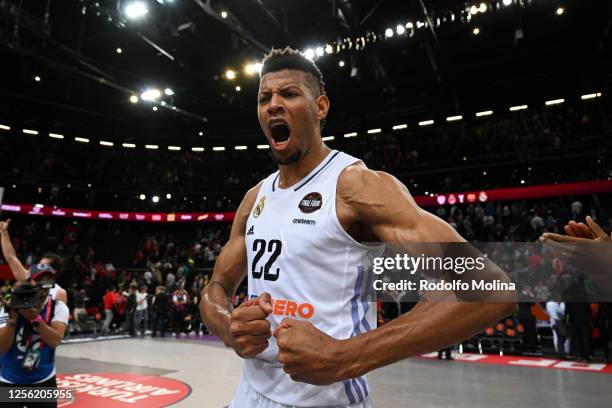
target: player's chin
288 156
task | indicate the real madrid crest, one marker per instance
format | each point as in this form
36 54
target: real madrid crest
259 207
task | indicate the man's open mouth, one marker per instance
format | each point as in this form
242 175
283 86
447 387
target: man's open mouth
280 132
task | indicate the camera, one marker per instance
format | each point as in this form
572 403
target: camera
25 296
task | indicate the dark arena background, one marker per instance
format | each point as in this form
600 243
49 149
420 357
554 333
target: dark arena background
129 136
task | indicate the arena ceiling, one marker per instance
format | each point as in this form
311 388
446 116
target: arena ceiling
526 51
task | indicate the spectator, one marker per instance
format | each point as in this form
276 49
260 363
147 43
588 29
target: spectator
109 303
179 299
161 307
142 317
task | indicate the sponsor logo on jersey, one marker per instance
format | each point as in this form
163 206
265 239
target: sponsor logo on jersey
311 202
251 230
259 208
291 308
303 221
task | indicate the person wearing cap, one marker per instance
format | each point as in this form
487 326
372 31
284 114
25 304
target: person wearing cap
21 273
29 337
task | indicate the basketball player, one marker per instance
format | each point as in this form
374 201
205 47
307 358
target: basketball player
306 336
21 273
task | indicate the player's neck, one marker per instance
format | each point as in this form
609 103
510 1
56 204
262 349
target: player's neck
292 173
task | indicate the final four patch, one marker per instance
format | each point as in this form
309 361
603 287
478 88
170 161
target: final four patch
259 208
311 203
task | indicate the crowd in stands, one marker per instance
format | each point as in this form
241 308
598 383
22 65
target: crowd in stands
498 151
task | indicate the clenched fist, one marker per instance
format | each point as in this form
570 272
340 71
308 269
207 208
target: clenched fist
309 355
249 330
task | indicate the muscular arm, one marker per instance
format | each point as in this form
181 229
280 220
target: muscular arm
230 269
20 272
363 196
52 334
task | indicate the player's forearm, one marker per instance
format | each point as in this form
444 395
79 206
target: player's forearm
10 256
50 335
430 326
216 309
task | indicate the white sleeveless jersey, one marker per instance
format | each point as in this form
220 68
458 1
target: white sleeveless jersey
53 291
299 253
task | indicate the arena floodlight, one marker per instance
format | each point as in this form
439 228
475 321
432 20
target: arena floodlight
409 26
142 197
309 54
554 102
474 10
476 31
507 2
230 74
482 8
155 199
118 50
560 11
400 29
150 95
135 10
484 113
224 14
56 136
585 97
258 67
341 63
388 33
105 143
249 69
263 147
426 122
218 149
373 131
155 109
518 108
37 78
200 133
168 196
5 127
151 147
174 148
352 134
169 91
319 51
30 131
454 118
240 147
329 49
327 138
197 149
81 140
400 127
134 99
238 88
128 145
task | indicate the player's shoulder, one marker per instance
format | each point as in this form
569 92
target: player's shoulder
357 178
252 193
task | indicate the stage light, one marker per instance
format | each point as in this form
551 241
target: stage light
484 113
476 31
143 197
554 102
388 33
474 10
319 51
56 136
309 54
400 29
218 149
373 131
135 10
224 14
454 118
200 133
409 26
174 148
168 196
119 50
150 95
426 122
327 138
352 134
263 147
238 88
169 91
155 199
560 11
30 131
197 149
420 24
155 109
128 145
37 78
341 64
105 143
240 147
590 96
249 69
230 74
518 108
134 99
329 49
507 2
81 140
400 127
151 147
482 8
4 127
522 181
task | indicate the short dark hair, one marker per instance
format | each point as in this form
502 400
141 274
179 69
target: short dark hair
56 261
289 58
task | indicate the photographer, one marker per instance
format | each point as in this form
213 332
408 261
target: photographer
34 327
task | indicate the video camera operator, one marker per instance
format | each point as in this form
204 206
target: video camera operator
31 332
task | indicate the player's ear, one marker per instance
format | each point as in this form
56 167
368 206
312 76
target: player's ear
322 102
